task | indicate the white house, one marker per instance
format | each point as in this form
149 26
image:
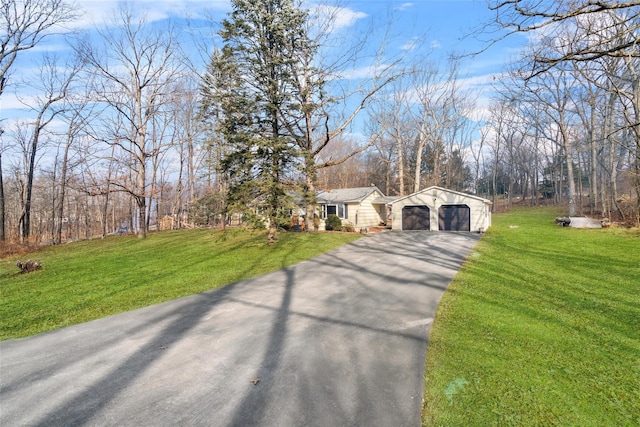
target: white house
436 208
353 206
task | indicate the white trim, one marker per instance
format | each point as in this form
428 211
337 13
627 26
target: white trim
435 187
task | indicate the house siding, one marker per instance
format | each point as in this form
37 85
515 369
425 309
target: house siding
480 213
365 214
361 212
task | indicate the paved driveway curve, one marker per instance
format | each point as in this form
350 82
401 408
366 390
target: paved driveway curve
338 340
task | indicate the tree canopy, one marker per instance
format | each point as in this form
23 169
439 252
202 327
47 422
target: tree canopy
256 98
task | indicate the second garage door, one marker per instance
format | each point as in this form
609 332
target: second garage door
454 218
415 218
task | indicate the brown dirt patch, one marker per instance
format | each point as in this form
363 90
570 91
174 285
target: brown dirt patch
11 249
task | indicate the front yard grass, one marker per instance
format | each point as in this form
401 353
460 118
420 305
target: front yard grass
541 327
87 280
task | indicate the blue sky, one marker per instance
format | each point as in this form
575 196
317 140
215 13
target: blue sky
438 27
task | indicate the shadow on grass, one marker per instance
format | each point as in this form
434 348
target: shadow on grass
346 339
542 330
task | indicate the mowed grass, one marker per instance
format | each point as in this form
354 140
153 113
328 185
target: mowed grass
541 327
92 279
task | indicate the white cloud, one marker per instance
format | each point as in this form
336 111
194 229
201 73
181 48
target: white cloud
100 12
93 13
405 6
478 81
50 47
481 111
10 101
411 44
338 17
363 72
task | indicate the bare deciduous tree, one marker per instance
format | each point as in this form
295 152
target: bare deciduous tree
436 94
187 131
391 116
330 100
581 29
132 69
24 24
55 85
2 202
350 173
76 119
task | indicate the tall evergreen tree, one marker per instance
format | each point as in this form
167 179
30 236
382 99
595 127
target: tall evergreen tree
215 78
255 89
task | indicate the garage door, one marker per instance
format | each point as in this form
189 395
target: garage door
454 218
415 218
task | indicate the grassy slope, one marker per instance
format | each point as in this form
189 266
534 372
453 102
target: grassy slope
540 327
88 280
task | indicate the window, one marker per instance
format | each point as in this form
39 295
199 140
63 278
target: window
344 213
337 209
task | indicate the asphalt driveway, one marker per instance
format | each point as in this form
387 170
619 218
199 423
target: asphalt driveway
338 340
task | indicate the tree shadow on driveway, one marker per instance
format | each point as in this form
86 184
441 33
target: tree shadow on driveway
336 340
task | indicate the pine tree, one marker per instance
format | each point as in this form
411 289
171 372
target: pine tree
256 89
216 78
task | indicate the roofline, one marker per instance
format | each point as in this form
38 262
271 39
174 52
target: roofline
389 202
367 194
446 190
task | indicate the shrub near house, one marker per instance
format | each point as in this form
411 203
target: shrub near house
333 223
355 207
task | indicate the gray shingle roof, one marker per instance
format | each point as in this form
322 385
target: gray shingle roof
346 195
436 188
385 200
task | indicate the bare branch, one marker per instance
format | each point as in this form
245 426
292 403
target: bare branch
26 23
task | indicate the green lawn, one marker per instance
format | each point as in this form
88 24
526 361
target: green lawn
541 327
92 279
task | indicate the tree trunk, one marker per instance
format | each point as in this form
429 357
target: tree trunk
54 198
87 221
105 213
152 193
400 148
141 203
271 238
107 192
421 144
580 189
310 194
566 143
25 220
494 175
436 164
141 199
635 151
593 202
63 188
570 178
3 236
613 164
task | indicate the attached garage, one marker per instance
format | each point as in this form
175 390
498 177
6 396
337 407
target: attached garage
440 209
454 218
416 218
